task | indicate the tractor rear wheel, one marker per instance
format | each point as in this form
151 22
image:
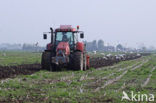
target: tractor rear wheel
78 60
46 61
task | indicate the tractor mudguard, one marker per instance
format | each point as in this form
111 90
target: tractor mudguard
80 46
49 46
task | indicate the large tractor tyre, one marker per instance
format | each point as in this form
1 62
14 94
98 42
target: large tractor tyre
46 61
78 61
84 62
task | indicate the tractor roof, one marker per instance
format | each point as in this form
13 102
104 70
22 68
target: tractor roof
65 28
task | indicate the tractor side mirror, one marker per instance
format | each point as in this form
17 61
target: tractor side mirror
81 35
44 36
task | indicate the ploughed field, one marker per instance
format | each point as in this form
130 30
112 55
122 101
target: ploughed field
104 82
17 63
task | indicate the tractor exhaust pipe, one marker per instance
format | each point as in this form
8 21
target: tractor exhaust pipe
51 35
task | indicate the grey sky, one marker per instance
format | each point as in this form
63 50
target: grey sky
130 22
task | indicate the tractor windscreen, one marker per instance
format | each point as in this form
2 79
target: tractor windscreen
65 37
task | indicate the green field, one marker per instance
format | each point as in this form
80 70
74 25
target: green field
17 58
92 86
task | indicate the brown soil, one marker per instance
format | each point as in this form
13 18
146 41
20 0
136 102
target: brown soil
25 69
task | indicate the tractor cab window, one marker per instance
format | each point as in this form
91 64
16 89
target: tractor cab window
64 37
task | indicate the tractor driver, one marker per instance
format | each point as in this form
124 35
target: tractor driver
65 38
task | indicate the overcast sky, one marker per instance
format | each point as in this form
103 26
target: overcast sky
130 22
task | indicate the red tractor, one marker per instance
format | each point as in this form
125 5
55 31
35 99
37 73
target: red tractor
65 50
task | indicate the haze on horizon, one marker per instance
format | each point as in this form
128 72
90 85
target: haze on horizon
129 22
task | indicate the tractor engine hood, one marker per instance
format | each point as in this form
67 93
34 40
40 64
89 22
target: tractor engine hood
63 49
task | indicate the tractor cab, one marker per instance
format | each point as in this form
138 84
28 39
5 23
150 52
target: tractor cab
66 37
65 34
